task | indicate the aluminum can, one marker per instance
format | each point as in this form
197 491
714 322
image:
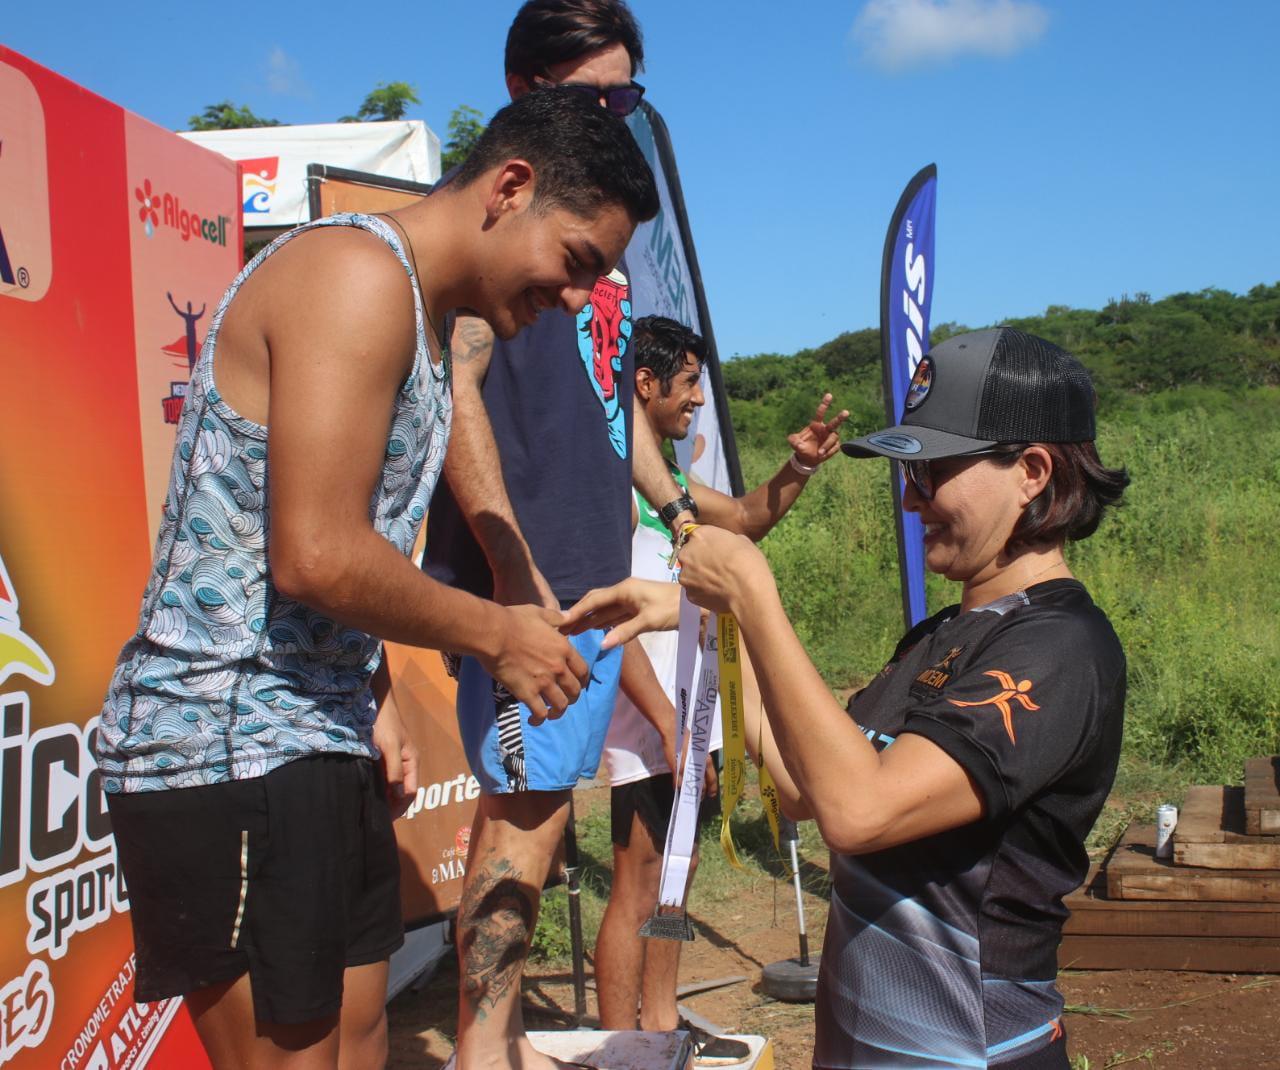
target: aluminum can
1166 822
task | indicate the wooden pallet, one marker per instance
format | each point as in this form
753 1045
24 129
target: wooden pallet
1134 872
1104 933
1094 913
1202 954
1262 796
1211 906
1211 833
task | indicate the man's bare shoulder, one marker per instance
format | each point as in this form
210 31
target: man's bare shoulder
340 261
342 281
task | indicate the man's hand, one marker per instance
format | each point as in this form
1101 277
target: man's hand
537 664
399 761
628 608
818 441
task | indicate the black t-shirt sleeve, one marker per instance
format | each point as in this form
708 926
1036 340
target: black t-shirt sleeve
1024 709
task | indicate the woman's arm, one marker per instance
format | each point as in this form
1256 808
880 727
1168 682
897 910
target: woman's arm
863 800
761 745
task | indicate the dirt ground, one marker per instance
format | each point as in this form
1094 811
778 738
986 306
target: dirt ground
1138 1019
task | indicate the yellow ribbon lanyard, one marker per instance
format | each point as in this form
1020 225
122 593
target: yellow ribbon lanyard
735 750
734 774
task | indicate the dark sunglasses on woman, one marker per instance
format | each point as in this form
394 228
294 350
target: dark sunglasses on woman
921 476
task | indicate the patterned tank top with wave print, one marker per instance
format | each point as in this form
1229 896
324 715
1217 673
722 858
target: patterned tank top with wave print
227 679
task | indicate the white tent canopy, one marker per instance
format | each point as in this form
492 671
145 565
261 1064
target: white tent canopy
275 160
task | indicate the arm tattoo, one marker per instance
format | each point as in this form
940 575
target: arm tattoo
472 340
495 926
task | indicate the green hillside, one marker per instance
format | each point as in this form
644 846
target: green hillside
1189 393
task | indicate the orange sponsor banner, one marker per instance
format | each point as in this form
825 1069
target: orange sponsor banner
434 835
91 349
185 246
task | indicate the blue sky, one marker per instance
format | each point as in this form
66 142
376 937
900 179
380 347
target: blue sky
1085 149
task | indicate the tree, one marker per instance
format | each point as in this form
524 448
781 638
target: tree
465 129
390 100
226 116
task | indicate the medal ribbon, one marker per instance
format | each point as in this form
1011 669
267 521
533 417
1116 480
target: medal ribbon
734 773
735 759
694 711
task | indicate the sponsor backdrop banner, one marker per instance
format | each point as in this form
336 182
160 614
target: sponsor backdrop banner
906 292
114 236
185 246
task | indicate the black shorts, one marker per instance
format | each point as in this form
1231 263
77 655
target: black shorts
651 801
292 877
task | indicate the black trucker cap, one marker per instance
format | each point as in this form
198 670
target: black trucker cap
975 390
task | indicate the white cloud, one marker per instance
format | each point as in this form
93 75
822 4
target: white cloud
284 75
899 33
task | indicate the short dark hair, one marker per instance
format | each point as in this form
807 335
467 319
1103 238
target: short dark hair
547 32
1071 505
583 157
660 344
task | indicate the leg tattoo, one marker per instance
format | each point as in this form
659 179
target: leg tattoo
496 926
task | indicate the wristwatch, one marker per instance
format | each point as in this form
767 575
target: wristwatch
675 507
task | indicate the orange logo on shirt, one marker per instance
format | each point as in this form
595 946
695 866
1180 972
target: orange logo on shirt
1010 692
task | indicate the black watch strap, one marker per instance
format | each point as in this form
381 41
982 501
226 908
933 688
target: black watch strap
675 507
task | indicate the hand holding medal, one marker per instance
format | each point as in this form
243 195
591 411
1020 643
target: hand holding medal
717 566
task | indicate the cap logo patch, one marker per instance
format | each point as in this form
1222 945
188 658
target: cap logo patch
895 442
921 381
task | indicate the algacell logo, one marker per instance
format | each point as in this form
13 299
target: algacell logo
155 209
26 252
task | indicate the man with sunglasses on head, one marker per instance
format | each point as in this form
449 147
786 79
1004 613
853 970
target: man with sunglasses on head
537 509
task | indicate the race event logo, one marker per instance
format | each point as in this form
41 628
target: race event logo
463 788
936 677
19 653
921 382
1019 692
259 183
156 209
26 250
183 351
604 331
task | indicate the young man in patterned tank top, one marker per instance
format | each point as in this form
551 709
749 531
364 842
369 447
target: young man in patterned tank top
239 736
